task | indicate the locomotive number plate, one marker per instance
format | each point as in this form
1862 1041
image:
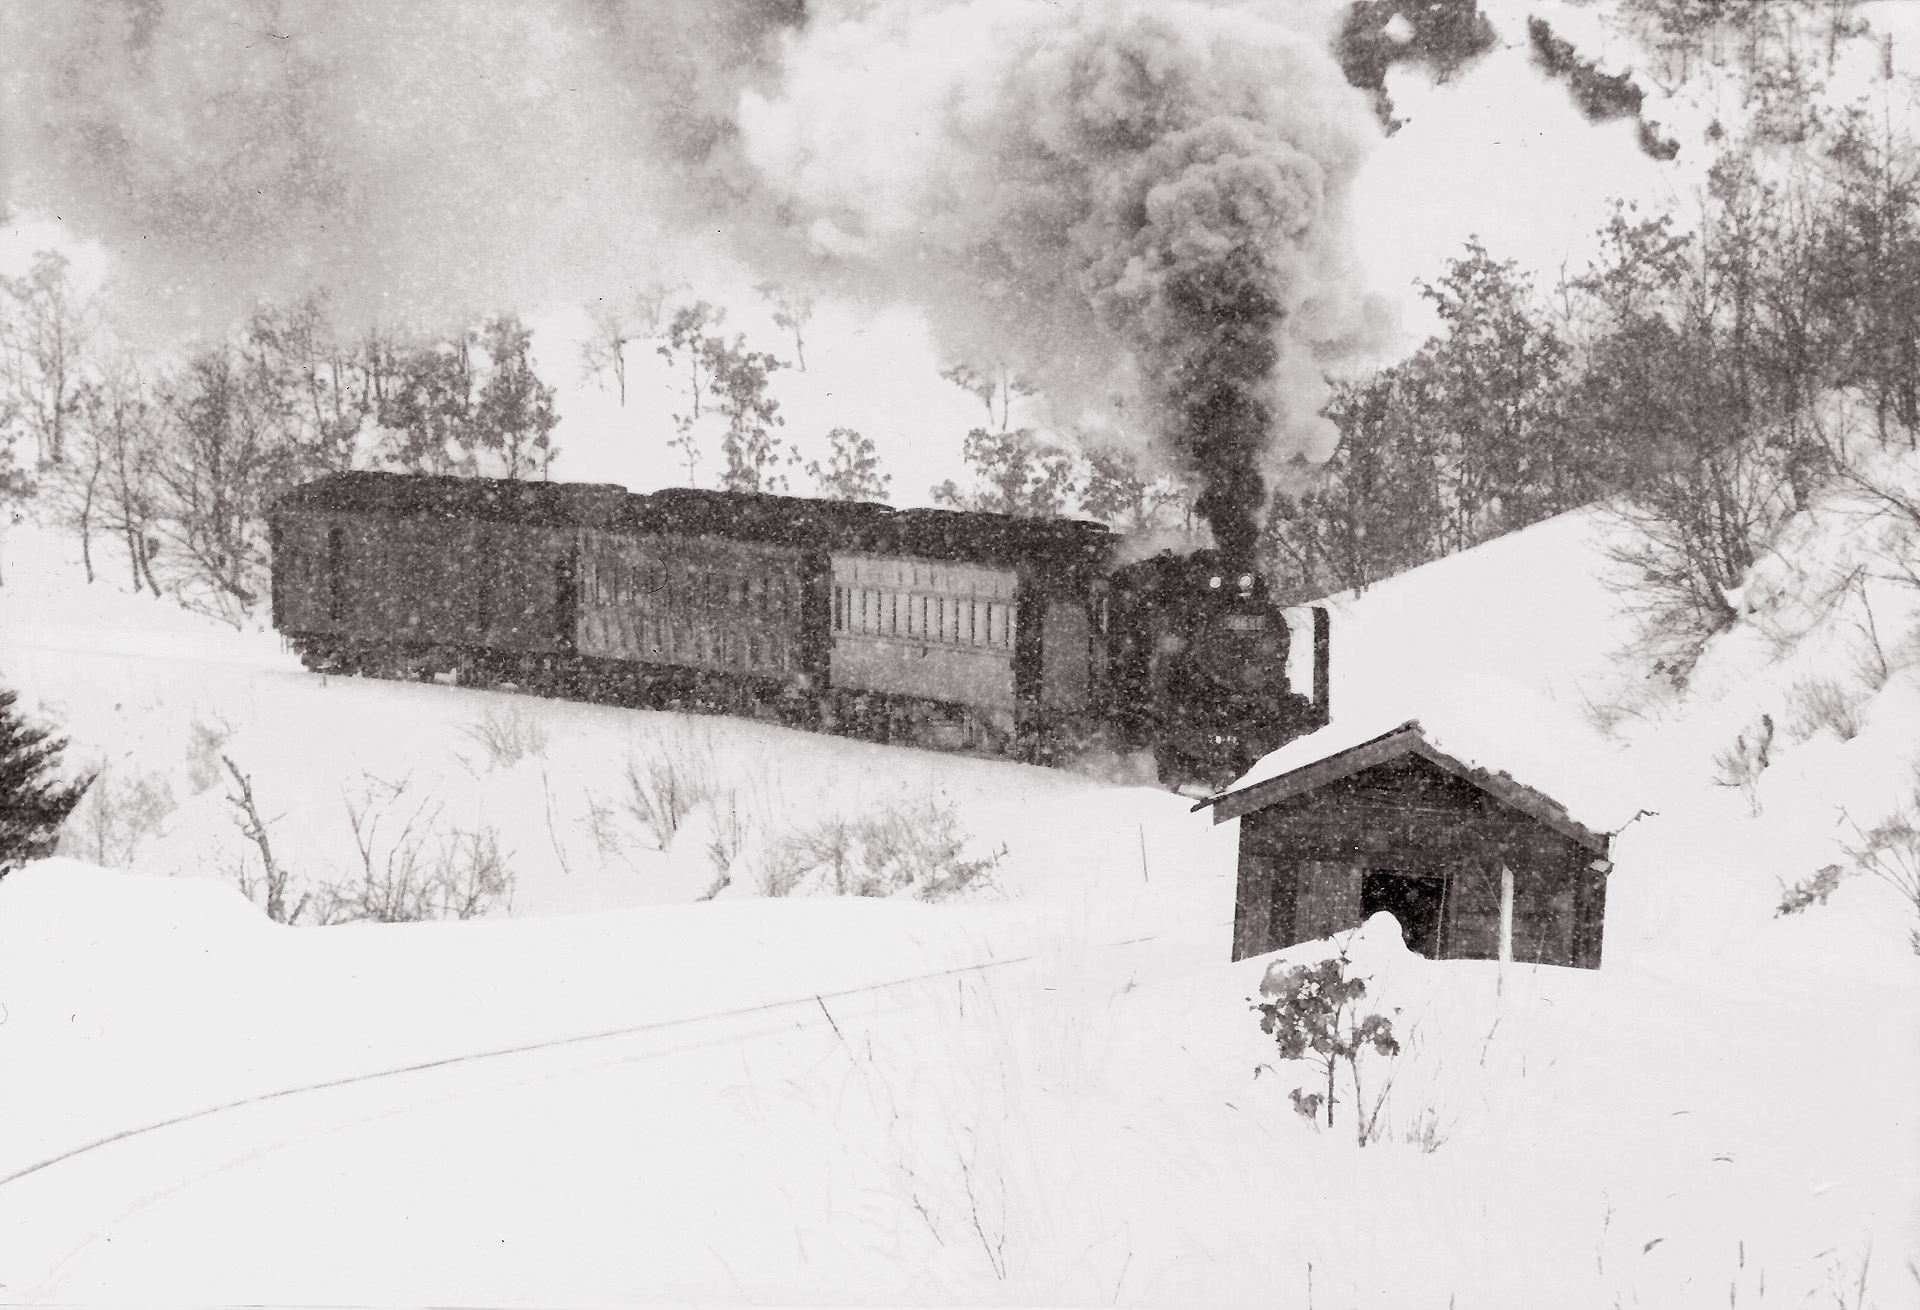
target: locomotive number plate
1246 623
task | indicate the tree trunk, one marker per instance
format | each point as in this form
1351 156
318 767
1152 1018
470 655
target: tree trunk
86 523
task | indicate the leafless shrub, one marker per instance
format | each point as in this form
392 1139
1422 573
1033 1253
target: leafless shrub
1692 529
1823 703
508 735
828 845
1741 764
1811 890
733 827
607 824
120 811
905 844
274 876
1890 851
205 744
1427 1128
663 785
400 881
470 875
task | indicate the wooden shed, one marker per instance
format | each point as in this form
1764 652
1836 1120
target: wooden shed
1474 865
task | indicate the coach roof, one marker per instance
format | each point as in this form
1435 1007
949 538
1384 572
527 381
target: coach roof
795 521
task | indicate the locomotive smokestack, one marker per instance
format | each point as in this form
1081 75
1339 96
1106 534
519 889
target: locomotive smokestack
1142 207
1322 681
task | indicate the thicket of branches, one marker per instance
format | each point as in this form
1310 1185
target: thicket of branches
1692 376
164 469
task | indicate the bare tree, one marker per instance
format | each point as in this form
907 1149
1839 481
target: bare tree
108 484
44 330
513 418
792 311
852 471
1016 473
254 829
604 352
325 391
995 387
225 460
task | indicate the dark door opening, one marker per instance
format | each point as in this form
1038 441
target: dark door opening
1413 899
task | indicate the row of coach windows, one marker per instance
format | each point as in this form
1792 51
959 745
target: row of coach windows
956 620
624 583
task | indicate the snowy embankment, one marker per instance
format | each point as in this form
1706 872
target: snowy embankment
1040 1089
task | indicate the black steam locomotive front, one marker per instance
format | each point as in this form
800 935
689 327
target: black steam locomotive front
1199 665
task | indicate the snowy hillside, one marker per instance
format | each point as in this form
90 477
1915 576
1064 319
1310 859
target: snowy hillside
1040 1088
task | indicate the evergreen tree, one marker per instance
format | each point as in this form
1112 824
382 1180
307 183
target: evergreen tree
34 802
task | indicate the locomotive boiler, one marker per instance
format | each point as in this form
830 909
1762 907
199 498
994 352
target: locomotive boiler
935 628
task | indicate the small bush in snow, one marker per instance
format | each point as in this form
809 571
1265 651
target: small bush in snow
1316 1016
120 811
1814 890
732 829
1890 851
676 773
508 735
206 742
400 880
1822 703
902 845
827 846
1741 764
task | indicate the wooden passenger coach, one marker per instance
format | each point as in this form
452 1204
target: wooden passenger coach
926 626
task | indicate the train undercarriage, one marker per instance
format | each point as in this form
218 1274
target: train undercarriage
891 720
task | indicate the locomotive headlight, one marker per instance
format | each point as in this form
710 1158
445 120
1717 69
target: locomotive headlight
1214 582
1246 582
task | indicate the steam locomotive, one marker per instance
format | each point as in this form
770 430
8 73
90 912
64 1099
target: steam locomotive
935 628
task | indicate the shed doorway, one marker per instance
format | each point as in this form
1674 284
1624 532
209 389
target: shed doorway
1413 899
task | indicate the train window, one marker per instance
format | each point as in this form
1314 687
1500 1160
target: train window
336 573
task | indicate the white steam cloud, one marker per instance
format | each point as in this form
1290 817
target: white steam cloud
419 160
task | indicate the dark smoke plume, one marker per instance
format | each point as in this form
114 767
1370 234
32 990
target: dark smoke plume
1601 97
1442 36
1115 199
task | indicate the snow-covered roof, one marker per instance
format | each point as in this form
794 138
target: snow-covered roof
1514 743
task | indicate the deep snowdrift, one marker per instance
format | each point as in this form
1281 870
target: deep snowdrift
1042 1090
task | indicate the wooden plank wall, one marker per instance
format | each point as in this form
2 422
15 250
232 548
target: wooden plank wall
1303 861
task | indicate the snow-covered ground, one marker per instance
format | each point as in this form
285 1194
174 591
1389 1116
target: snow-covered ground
1041 1090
